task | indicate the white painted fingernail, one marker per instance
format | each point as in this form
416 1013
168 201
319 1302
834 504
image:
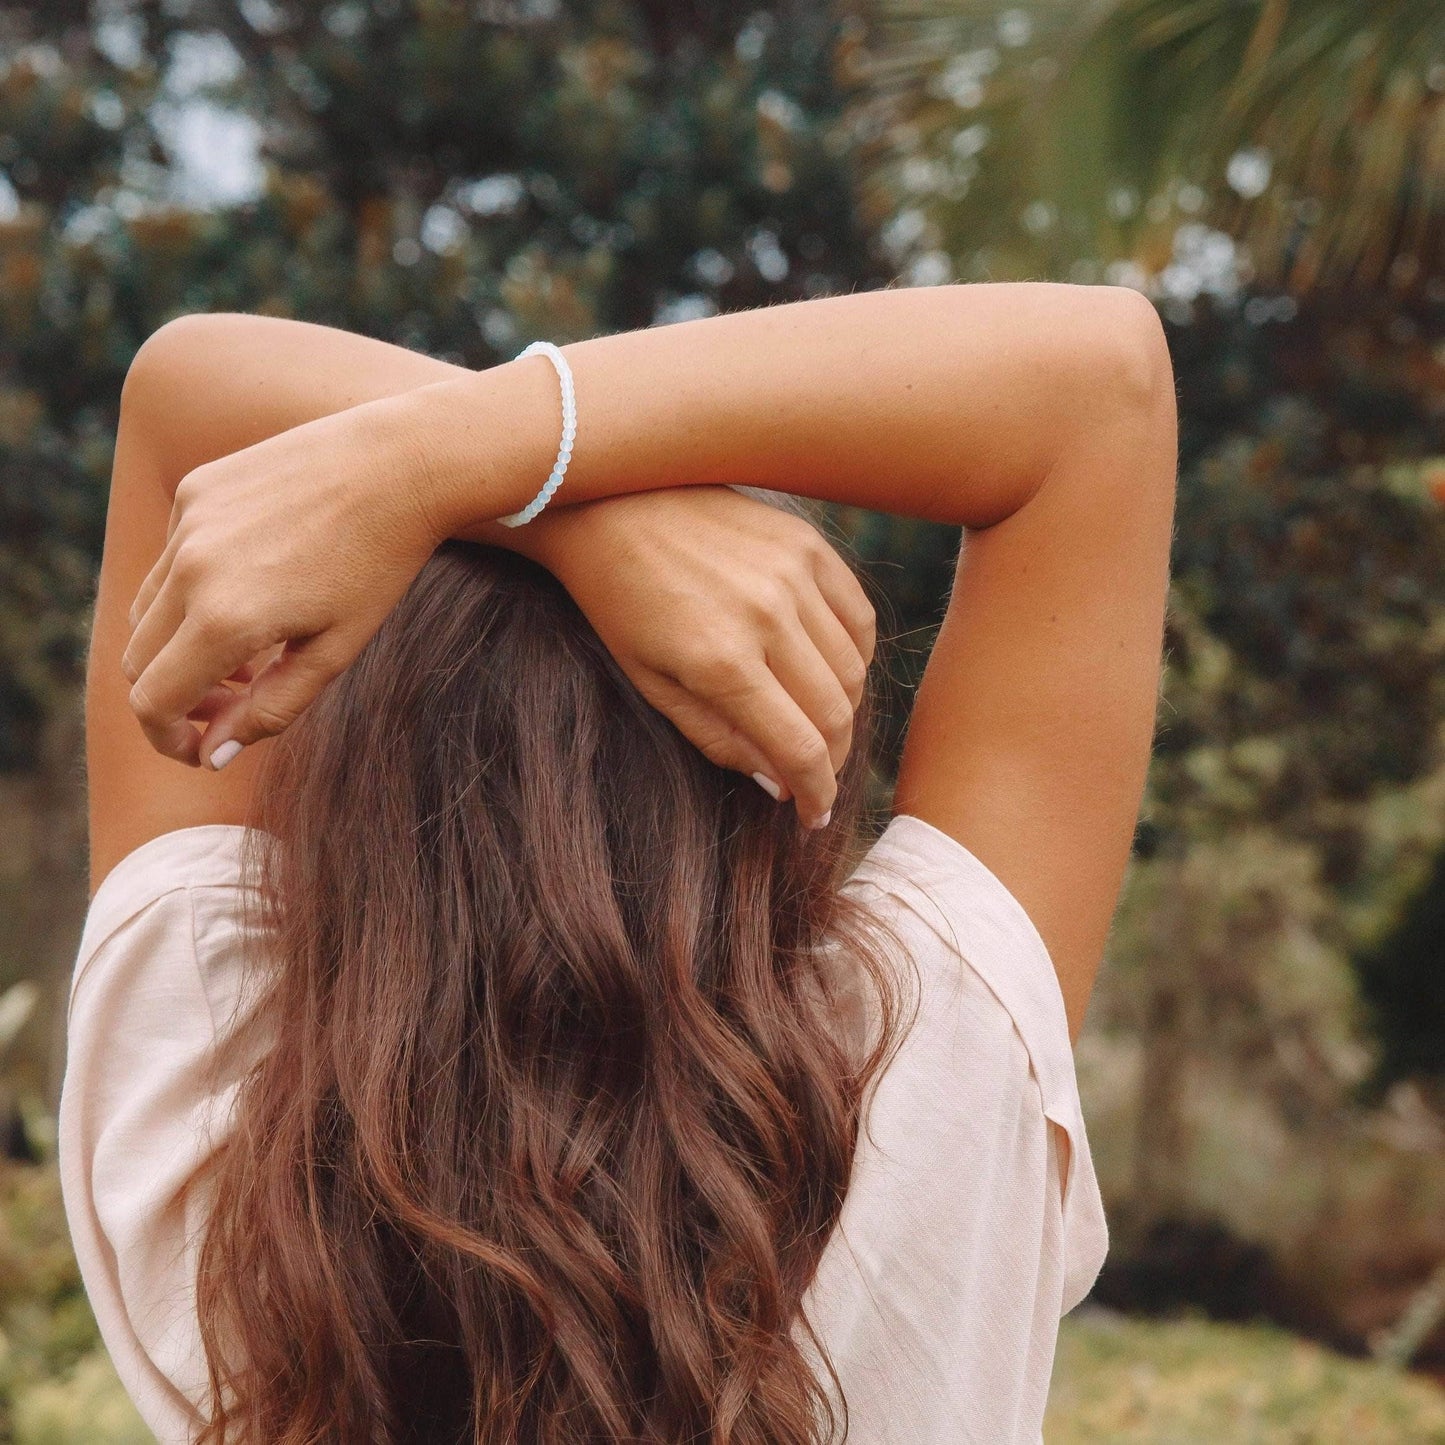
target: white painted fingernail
225 752
768 785
825 819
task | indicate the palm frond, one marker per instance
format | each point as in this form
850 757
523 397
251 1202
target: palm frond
1342 104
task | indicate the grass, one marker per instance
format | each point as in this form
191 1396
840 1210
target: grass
1150 1382
57 1386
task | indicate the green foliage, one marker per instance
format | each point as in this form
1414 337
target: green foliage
1308 635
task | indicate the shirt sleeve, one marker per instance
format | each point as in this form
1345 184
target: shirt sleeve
962 1238
964 904
157 1044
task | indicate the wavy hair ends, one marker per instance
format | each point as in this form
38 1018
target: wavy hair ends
554 1115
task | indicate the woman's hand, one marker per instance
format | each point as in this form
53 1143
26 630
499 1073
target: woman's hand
735 619
306 541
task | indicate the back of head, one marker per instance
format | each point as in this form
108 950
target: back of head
555 1117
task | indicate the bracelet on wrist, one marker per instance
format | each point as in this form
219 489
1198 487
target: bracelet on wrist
569 434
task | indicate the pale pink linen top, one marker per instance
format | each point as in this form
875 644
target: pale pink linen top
939 1294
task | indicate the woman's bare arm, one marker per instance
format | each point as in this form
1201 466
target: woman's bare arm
173 420
1031 734
1038 415
949 403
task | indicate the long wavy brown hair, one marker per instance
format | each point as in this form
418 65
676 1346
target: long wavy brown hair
556 1113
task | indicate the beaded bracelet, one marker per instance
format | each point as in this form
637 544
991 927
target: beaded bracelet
569 434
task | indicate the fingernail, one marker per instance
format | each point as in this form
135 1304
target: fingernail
128 670
768 786
225 752
824 820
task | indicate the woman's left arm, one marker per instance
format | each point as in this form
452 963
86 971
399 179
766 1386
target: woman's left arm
206 386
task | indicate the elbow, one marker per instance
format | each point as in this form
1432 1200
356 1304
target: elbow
158 398
1122 379
161 363
1135 367
1115 382
173 356
163 386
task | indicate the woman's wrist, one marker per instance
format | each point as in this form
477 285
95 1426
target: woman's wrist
477 447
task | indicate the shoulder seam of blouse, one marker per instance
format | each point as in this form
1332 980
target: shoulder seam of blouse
89 954
117 902
1033 996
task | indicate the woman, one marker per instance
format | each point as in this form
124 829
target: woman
482 1055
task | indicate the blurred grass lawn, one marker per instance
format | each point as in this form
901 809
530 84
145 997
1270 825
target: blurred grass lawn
1120 1381
1150 1382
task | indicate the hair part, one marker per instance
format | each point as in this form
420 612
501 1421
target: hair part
556 1110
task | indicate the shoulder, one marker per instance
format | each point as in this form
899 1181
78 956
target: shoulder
162 868
990 1057
983 961
163 945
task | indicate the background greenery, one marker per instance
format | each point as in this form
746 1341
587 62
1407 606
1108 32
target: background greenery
1262 1066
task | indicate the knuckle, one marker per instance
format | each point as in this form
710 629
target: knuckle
190 561
721 671
142 705
719 751
838 719
768 599
800 531
813 546
222 623
213 624
810 754
854 676
271 715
